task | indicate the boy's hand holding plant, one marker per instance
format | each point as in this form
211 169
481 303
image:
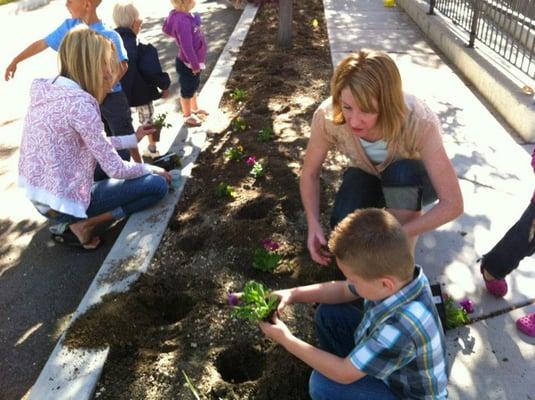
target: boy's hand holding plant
255 303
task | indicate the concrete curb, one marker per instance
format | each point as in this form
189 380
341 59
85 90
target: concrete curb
74 373
498 82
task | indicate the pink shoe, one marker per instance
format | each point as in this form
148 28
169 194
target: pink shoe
496 287
526 324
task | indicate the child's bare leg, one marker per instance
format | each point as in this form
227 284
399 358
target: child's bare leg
195 107
185 104
152 142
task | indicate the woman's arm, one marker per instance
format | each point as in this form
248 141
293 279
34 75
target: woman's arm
445 183
309 185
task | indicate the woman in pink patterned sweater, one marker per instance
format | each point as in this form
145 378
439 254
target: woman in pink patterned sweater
64 138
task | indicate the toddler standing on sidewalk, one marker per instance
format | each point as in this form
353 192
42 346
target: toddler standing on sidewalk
185 27
515 245
144 76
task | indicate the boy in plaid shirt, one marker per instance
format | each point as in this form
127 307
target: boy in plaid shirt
394 347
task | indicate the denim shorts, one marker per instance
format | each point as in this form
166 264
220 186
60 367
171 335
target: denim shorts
189 82
404 185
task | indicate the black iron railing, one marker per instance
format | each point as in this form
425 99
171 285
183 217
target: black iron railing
505 26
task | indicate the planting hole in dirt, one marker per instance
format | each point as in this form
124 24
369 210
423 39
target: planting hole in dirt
191 243
241 364
256 209
165 310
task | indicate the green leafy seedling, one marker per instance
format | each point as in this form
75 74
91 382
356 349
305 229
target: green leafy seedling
257 303
238 95
159 121
224 191
258 170
455 314
265 135
264 260
235 153
239 124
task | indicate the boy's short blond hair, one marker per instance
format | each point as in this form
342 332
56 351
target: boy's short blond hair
181 5
125 14
372 244
82 54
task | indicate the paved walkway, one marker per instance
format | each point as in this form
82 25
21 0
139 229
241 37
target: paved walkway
42 284
489 359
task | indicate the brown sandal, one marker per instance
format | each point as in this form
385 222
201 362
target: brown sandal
193 120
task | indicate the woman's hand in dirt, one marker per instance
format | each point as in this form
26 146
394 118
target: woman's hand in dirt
275 330
144 130
317 246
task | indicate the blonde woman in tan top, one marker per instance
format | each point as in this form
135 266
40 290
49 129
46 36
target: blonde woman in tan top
394 146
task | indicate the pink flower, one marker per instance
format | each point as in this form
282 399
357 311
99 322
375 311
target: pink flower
270 245
251 160
232 299
467 305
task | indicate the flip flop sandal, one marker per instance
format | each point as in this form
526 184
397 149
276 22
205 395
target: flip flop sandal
526 324
496 287
193 121
201 113
68 238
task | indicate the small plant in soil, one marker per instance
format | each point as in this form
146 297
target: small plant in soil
265 135
239 124
266 257
256 303
224 191
159 121
258 170
235 153
456 315
238 95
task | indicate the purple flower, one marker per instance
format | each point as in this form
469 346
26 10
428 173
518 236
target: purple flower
270 245
232 299
251 160
467 305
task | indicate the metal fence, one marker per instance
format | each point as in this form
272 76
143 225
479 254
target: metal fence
506 26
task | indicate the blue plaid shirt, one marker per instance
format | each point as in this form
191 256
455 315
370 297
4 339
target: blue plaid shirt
400 341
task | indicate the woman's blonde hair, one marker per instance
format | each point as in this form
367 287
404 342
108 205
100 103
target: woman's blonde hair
375 83
82 55
125 14
181 5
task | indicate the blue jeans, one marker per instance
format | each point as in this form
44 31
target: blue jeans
404 184
120 197
513 247
335 327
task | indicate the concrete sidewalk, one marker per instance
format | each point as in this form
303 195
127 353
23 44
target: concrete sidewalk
489 359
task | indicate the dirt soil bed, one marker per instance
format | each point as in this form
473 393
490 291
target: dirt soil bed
175 322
